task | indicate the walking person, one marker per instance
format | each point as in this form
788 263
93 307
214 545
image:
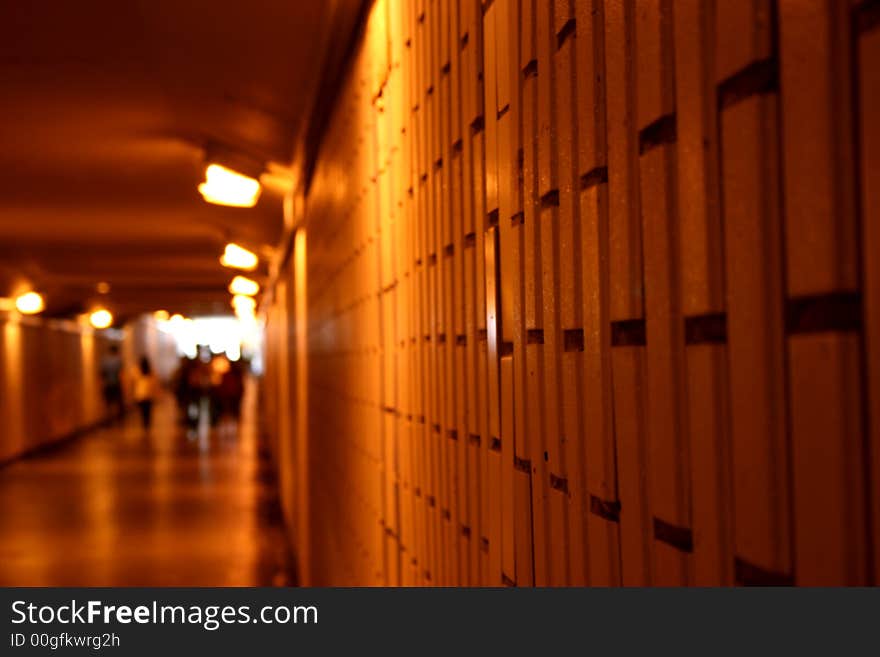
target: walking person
200 381
231 390
146 386
186 393
111 379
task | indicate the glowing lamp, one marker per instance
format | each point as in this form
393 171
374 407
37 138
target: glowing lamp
243 286
161 316
244 304
224 186
30 303
238 257
101 319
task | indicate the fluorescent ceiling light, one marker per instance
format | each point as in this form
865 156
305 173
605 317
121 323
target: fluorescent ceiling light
245 286
245 307
101 318
30 303
244 304
224 186
238 257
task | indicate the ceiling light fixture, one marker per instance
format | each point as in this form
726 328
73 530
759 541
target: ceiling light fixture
224 186
30 303
243 303
245 311
101 318
244 286
238 257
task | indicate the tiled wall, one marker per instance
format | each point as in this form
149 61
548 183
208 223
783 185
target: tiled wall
593 298
50 382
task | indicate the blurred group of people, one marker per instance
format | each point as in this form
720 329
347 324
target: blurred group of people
210 384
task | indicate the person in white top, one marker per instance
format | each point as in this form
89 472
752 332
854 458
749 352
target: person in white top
146 386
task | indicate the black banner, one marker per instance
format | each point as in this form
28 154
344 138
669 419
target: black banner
456 621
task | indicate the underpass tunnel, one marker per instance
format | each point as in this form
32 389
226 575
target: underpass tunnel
151 152
518 292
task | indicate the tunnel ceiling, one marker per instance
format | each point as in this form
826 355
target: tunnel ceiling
107 110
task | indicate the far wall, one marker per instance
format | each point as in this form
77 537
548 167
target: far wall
50 385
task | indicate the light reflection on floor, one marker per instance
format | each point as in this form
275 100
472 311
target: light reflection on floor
123 508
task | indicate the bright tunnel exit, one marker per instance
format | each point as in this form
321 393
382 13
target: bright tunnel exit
235 337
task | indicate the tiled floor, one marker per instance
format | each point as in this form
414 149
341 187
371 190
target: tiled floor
120 507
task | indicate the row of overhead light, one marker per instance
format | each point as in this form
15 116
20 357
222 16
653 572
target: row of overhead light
189 333
243 289
32 303
222 186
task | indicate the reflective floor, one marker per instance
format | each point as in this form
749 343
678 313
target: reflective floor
121 507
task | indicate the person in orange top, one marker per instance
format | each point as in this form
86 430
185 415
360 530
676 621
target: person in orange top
146 387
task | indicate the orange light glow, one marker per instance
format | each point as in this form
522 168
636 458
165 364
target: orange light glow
244 286
161 316
224 186
30 303
277 178
238 257
101 319
244 305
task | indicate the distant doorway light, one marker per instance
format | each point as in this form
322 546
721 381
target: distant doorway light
101 318
224 186
238 257
30 303
245 286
